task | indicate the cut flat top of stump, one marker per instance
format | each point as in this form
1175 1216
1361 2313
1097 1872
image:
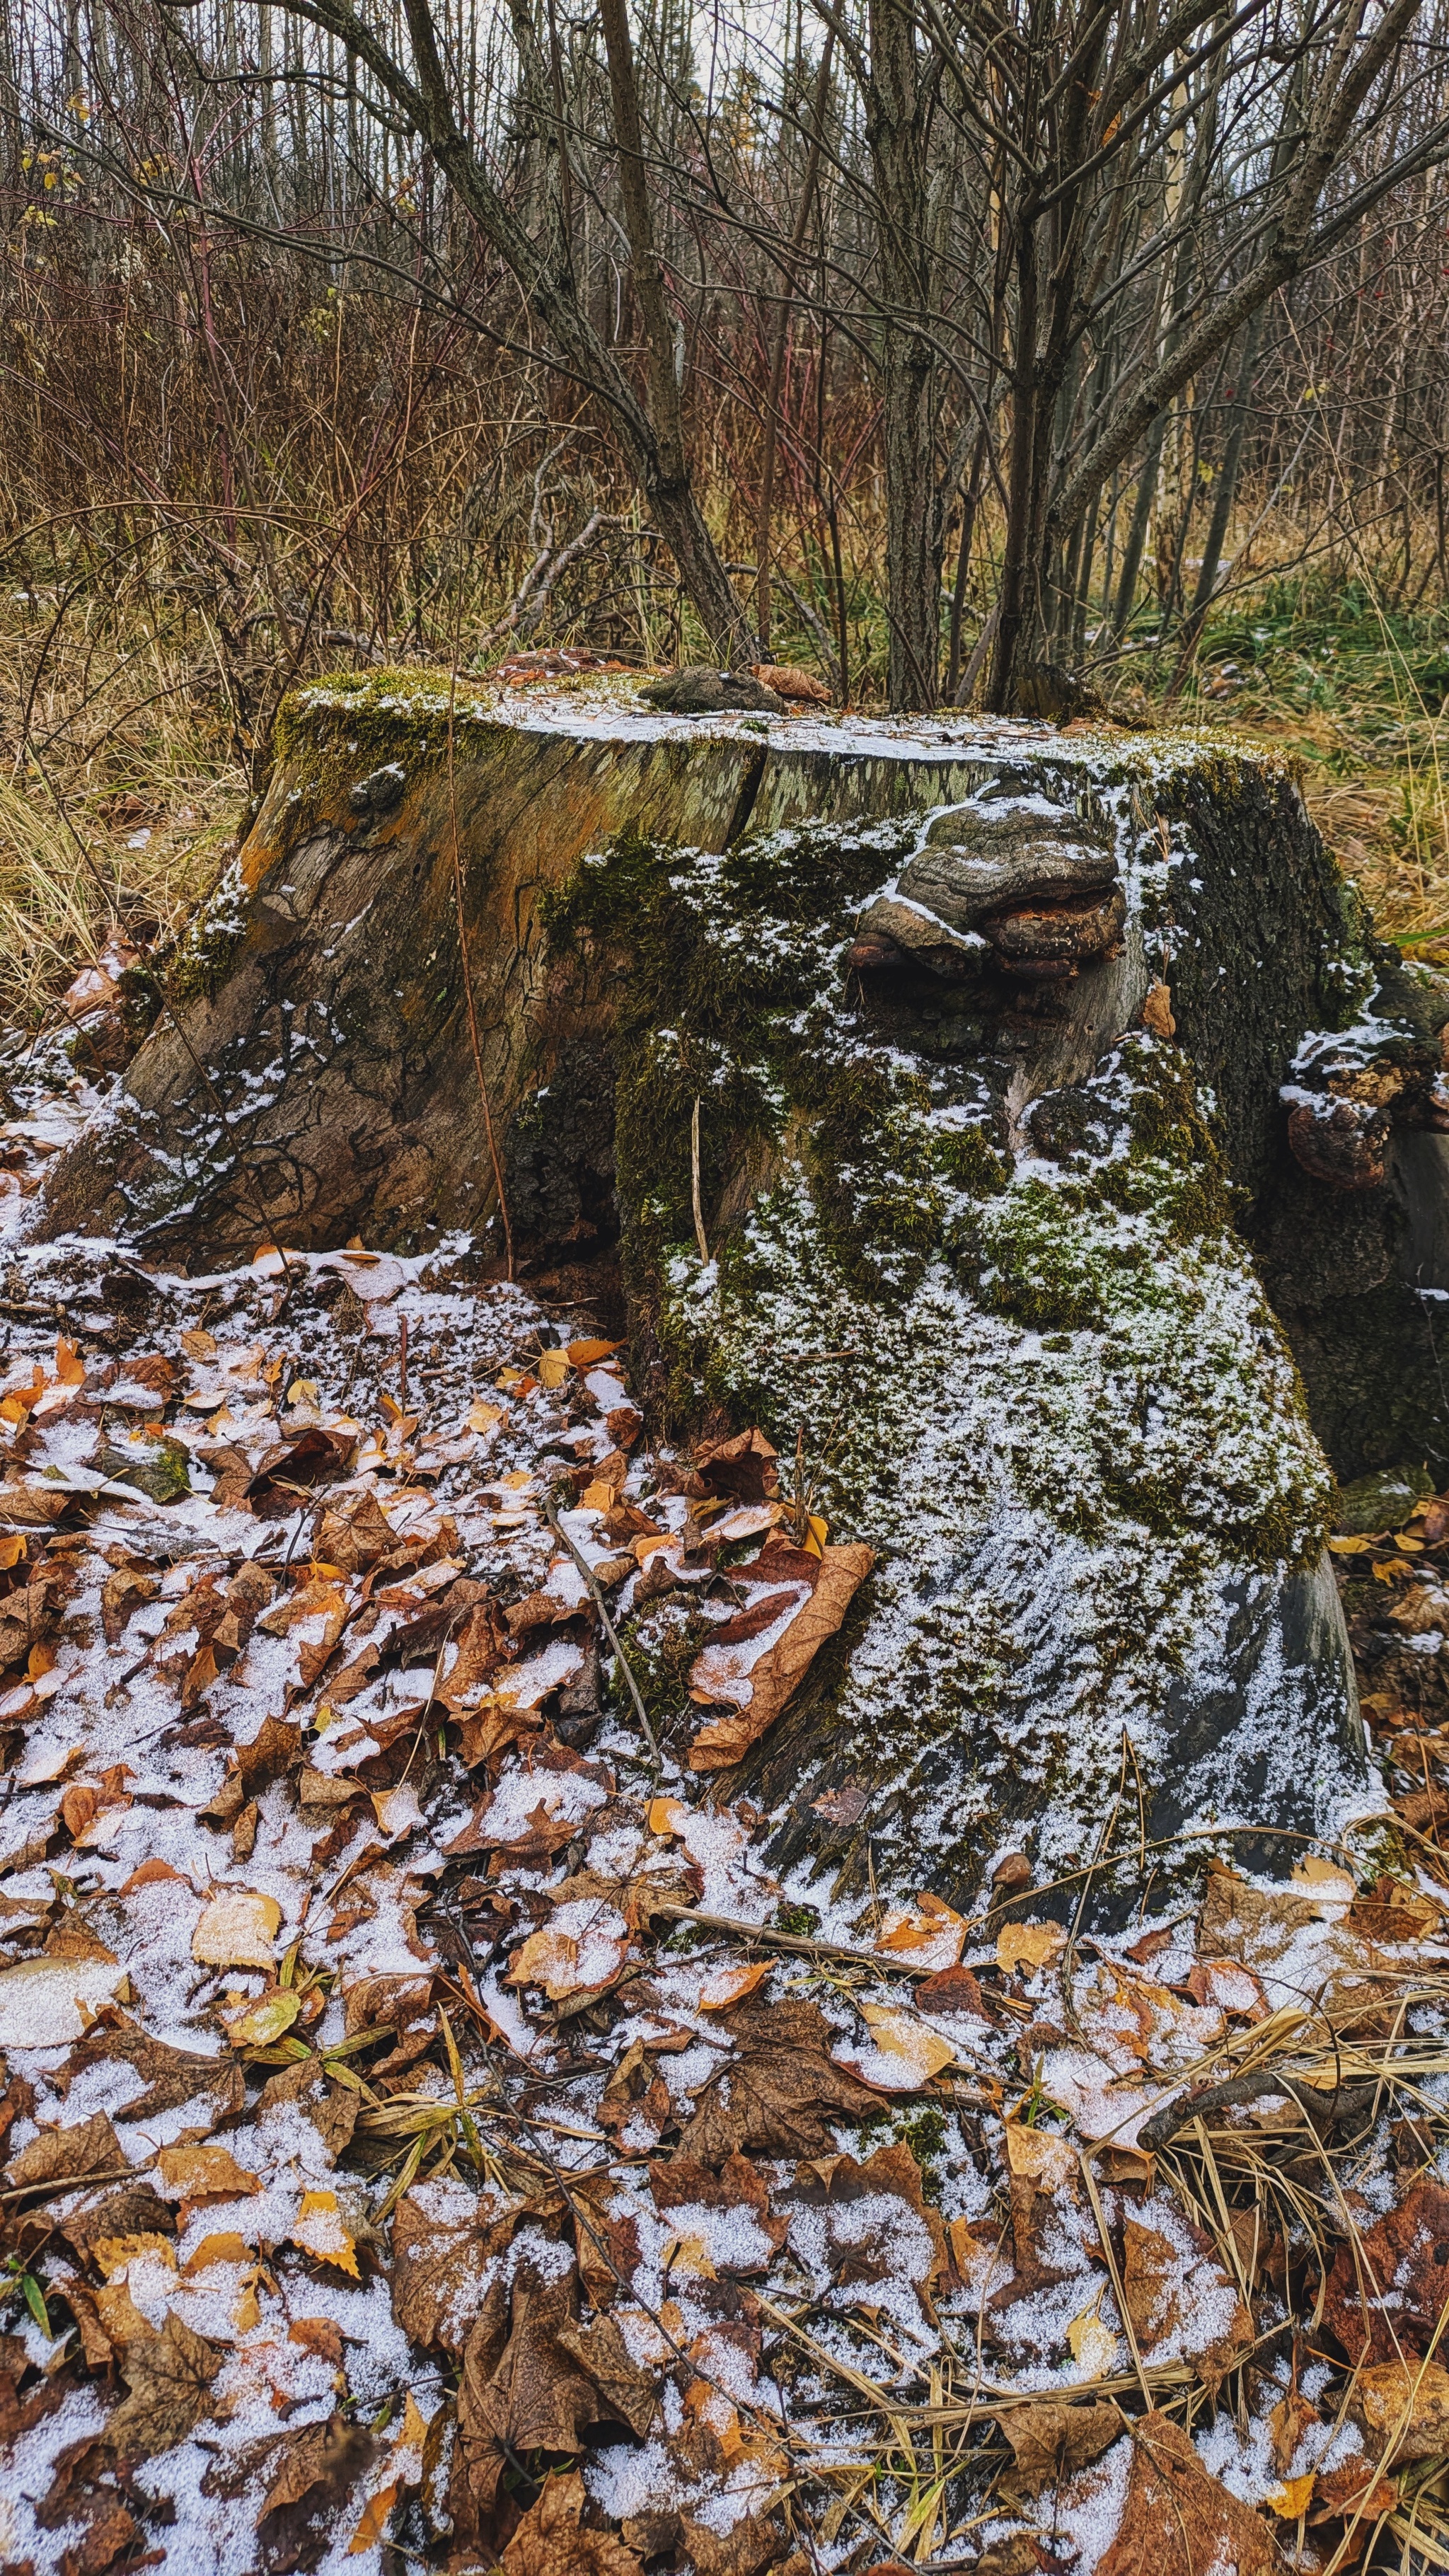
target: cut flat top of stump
607 708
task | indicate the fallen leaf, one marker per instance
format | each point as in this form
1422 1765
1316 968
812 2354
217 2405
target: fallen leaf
1178 2520
1402 2410
317 2469
58 2155
261 2024
1051 2442
667 1816
45 2002
1028 1945
237 1928
168 2385
760 1684
533 2380
1040 2156
932 1936
904 2055
1386 2293
224 2247
402 2468
554 1368
580 1951
551 2539
170 2076
194 2175
319 2230
1092 2345
1181 2302
777 2095
1291 2501
731 1985
444 2246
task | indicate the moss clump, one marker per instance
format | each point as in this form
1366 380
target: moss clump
197 964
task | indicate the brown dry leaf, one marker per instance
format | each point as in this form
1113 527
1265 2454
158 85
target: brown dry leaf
731 1985
1042 2157
1051 2442
551 2539
896 2237
667 1816
122 1595
168 2382
198 2174
903 2053
797 687
931 1935
170 2076
778 2093
1386 2292
1179 2520
1402 2410
317 2468
686 2184
525 2389
442 2262
767 1683
59 2155
84 1805
1028 1945
402 2468
237 1928
1182 2305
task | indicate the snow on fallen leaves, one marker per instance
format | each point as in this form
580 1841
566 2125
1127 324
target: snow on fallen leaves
437 2136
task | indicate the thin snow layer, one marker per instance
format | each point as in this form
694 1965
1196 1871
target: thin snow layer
1049 1392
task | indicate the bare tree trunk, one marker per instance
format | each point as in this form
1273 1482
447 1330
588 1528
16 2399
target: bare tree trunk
898 105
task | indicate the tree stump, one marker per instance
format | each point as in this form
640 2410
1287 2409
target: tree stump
955 1098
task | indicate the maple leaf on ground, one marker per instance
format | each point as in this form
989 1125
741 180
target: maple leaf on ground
168 2381
85 2500
444 2243
689 2195
1178 2519
532 2381
777 2095
552 2540
1180 2301
904 2241
1402 2410
1386 2293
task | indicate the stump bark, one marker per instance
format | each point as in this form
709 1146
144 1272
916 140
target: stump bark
1041 1096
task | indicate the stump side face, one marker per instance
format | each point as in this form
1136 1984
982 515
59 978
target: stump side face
1019 1349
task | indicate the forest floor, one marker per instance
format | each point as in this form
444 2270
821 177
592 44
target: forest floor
434 2135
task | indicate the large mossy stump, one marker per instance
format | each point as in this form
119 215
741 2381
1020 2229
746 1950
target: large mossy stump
1050 1094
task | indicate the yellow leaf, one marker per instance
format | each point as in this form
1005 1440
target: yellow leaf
667 1815
690 2259
112 2253
1290 2501
267 1261
198 1344
1350 1546
585 1354
817 1532
516 1480
237 1928
70 1368
303 1390
319 2231
1092 2345
553 1368
205 2173
224 2247
1390 1568
597 1497
913 2052
12 1549
484 1417
1042 2156
1028 1945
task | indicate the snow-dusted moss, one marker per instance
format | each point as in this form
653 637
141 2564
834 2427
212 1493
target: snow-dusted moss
1045 1386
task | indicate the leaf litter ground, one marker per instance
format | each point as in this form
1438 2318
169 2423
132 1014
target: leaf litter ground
435 2137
